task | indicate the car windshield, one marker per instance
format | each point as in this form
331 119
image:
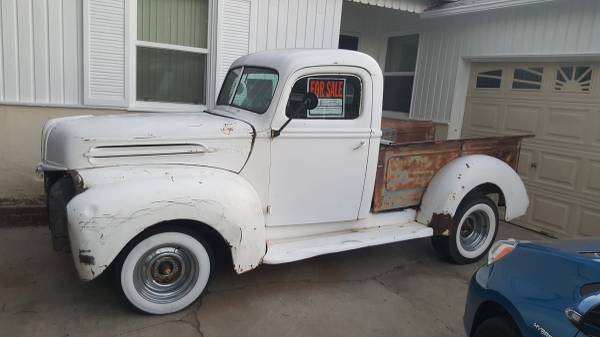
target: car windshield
249 88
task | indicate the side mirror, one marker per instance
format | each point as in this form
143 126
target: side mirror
585 315
309 101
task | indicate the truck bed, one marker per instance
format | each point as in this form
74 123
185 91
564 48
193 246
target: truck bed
409 157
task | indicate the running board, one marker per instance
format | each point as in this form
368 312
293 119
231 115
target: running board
293 250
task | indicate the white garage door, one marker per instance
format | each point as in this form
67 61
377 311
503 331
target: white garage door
560 104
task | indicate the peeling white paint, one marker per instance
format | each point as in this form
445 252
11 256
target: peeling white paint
459 177
121 202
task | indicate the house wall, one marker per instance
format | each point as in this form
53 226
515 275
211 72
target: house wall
69 57
20 139
560 30
274 24
383 22
40 51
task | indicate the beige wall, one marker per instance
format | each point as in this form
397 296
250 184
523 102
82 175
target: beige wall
20 133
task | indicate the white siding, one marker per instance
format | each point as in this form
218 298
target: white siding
104 52
412 6
234 34
274 24
39 51
73 52
561 29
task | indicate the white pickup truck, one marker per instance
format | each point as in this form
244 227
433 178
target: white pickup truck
292 162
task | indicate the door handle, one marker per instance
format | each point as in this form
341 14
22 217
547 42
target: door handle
361 144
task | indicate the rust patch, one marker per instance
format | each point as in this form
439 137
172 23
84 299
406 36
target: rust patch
441 224
406 131
404 170
86 258
227 128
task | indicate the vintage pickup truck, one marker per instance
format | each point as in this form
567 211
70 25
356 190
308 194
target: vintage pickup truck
291 163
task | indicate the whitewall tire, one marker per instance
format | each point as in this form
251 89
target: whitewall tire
165 272
474 229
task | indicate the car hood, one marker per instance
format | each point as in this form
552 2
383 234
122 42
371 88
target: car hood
80 142
584 248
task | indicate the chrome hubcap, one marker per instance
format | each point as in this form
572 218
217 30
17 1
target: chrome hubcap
474 230
165 274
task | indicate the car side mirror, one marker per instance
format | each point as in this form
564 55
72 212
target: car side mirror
585 315
309 102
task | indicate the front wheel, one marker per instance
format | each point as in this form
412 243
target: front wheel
496 327
474 228
165 272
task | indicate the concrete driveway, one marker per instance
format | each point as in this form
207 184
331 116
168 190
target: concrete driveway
399 289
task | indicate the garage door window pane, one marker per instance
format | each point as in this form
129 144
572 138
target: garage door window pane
528 78
397 93
491 79
574 79
170 76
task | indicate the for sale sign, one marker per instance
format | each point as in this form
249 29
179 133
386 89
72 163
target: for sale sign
331 93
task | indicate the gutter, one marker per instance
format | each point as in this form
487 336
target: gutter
478 7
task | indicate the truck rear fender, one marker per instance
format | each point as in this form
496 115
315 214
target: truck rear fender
119 203
464 175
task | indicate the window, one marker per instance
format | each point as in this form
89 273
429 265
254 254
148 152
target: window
171 48
528 78
399 73
348 42
491 79
576 79
339 97
249 88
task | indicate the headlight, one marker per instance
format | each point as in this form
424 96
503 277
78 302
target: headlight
501 249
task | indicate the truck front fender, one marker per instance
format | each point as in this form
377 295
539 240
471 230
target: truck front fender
463 175
119 203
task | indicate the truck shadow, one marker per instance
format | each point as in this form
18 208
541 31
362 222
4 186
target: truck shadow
396 289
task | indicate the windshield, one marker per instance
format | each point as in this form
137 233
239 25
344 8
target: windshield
249 88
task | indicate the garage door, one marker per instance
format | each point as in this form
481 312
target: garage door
560 104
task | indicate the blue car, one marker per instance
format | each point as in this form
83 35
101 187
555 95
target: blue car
541 289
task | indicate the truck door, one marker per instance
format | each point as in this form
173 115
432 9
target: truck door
319 161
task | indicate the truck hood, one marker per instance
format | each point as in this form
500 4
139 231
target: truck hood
74 143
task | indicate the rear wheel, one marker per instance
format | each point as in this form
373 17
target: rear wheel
496 327
164 272
474 228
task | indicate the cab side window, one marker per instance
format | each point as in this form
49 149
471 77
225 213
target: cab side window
339 97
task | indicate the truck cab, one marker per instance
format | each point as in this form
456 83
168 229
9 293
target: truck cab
292 162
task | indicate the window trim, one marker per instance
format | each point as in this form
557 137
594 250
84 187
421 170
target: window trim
131 44
383 53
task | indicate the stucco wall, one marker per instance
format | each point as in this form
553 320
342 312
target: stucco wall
20 132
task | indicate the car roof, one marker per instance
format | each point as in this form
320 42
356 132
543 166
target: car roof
287 61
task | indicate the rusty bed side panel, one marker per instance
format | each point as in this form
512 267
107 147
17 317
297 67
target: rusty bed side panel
407 131
405 170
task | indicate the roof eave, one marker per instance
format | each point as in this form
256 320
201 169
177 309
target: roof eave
477 7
